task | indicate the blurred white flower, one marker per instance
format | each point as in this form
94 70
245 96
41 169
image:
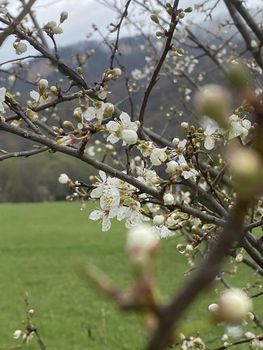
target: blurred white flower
142 241
234 305
17 334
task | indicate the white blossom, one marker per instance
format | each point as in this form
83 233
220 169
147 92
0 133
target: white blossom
210 137
131 213
234 305
105 215
141 242
158 156
123 129
238 127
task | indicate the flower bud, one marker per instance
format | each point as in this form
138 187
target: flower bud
42 86
154 18
116 72
171 167
214 101
168 199
175 141
184 125
54 90
77 114
63 179
188 9
109 110
63 16
68 125
158 220
213 307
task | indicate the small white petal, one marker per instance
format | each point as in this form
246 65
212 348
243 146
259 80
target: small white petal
95 215
34 95
209 143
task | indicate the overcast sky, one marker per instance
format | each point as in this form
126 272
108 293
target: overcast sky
82 14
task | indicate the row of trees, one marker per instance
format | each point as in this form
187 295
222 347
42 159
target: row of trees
203 181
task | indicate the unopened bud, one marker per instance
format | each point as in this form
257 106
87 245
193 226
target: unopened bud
188 9
158 220
184 125
63 179
42 86
63 16
54 90
168 199
68 125
109 110
77 114
155 18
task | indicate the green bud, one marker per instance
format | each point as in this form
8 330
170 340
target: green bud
181 15
214 101
154 18
188 9
68 125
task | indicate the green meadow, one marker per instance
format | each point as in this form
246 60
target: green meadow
43 246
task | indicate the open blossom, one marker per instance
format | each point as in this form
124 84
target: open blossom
238 127
145 147
131 213
124 129
148 176
158 156
2 99
98 113
108 193
105 215
210 137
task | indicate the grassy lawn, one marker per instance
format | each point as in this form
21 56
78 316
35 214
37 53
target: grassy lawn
42 247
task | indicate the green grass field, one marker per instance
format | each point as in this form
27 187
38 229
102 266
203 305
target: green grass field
42 247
